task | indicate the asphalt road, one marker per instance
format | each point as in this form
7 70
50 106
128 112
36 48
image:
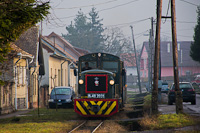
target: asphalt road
195 109
187 107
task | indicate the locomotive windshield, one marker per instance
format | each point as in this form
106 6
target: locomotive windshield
86 65
110 66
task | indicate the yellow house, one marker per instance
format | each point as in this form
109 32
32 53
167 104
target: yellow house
59 65
29 42
14 91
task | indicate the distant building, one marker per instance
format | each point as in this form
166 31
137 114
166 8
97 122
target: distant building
187 66
129 63
130 66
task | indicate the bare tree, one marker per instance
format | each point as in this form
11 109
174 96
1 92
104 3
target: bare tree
116 42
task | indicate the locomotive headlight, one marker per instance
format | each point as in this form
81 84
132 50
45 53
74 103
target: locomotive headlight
112 82
81 81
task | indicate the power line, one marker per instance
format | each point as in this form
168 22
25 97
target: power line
104 9
188 2
118 5
182 21
133 22
167 34
167 11
87 5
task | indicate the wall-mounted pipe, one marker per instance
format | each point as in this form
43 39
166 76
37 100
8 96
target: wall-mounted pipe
20 57
62 72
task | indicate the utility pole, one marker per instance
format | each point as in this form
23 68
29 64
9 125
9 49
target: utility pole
178 94
154 104
151 42
137 65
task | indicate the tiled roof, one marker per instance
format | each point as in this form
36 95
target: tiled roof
73 52
167 58
28 42
81 51
18 50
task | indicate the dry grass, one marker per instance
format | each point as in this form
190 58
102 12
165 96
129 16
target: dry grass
123 113
111 127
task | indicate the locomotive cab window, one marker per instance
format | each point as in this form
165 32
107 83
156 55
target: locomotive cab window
110 66
86 65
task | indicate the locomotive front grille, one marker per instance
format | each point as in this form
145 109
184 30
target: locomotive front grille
96 83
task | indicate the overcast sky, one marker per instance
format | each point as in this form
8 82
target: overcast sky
123 13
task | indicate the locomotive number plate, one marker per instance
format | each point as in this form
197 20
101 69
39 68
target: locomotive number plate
96 95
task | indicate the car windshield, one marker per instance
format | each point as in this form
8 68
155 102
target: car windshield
183 86
164 83
61 91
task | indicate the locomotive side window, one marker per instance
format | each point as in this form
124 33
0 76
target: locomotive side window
87 65
110 66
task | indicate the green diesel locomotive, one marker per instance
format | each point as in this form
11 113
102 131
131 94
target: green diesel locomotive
101 85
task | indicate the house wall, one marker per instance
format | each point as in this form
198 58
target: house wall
72 79
45 78
144 64
55 73
33 87
6 98
168 71
21 83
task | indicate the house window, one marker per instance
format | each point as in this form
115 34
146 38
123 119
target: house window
4 97
51 79
10 94
188 73
59 77
142 64
168 47
179 46
55 79
65 77
35 85
141 73
23 75
18 75
147 61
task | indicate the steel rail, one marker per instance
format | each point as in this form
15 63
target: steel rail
97 127
77 127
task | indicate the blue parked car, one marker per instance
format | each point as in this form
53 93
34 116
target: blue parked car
61 97
165 87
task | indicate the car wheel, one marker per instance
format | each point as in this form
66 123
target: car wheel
170 102
193 102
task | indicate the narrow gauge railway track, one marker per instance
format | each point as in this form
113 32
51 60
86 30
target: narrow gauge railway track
88 126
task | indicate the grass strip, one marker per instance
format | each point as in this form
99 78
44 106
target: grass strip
166 121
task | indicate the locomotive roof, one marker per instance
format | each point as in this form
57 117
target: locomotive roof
93 56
